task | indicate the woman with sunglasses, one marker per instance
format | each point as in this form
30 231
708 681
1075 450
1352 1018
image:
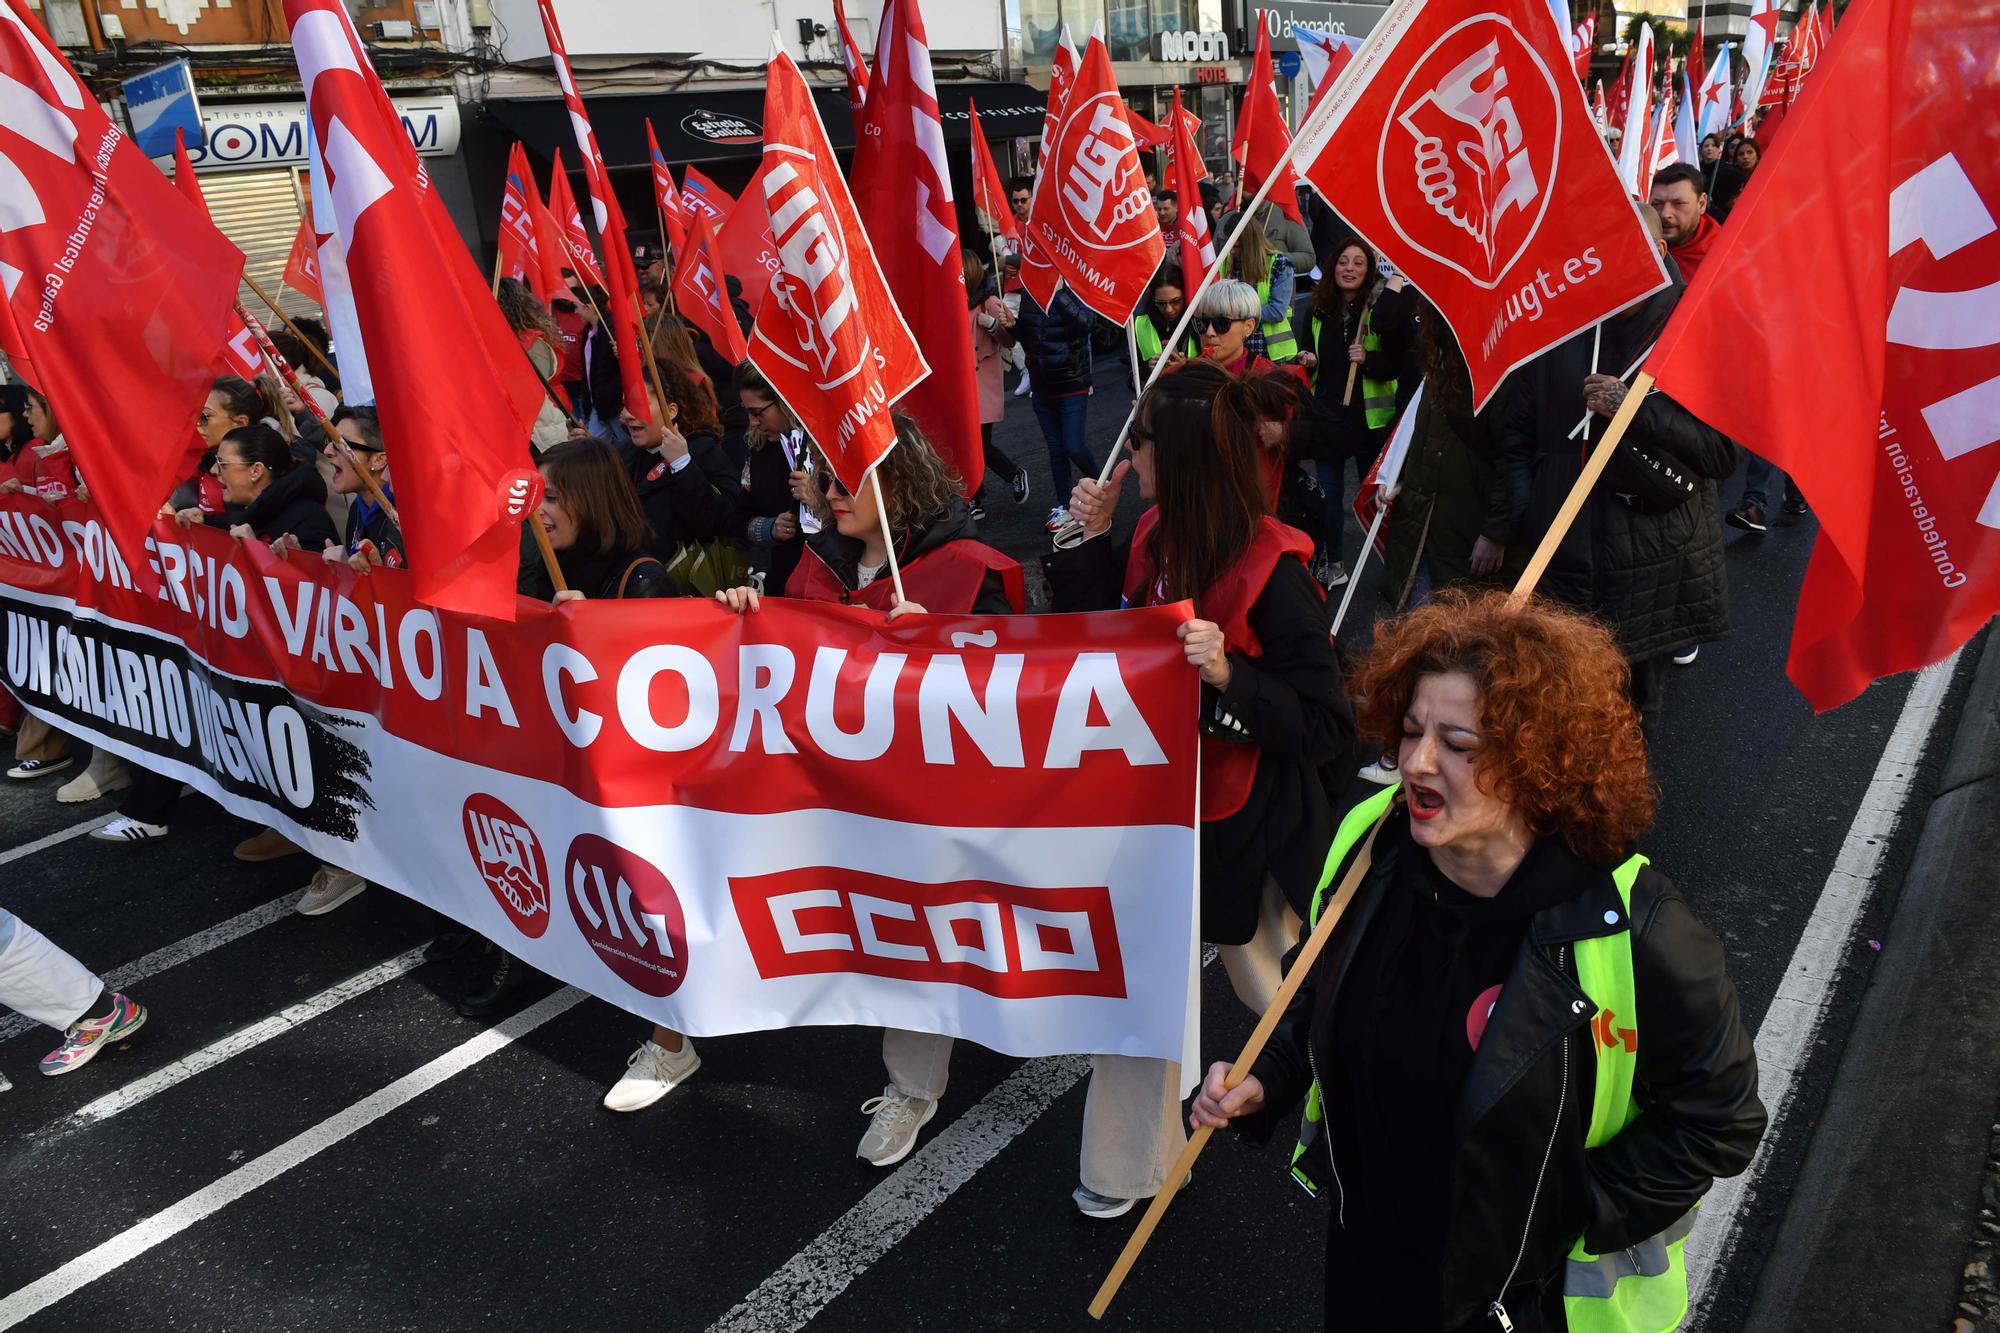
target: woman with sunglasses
945 570
1273 714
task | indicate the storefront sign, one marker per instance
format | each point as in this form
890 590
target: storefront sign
1214 74
1191 46
717 127
242 135
1281 16
159 102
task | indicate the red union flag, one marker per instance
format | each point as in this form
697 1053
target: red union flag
1191 228
302 265
1038 275
744 244
1870 234
1459 145
1261 136
700 195
455 394
699 293
989 195
852 64
115 290
521 255
667 199
575 240
829 336
1093 217
240 354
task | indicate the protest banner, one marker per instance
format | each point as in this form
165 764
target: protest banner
976 825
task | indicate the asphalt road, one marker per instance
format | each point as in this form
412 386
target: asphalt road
376 1162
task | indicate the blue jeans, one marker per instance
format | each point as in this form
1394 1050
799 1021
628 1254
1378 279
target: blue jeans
1062 422
1760 479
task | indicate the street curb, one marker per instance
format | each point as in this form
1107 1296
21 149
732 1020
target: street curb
1876 1227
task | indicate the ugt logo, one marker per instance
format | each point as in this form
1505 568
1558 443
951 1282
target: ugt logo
1103 190
509 858
812 284
1472 131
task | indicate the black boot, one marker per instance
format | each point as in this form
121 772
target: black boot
451 941
509 975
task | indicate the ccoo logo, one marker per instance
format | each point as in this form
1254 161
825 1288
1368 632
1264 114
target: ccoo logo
1472 133
629 913
509 858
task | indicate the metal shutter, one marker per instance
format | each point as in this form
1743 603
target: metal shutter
259 210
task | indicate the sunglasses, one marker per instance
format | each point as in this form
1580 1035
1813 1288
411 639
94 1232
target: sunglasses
833 487
1217 324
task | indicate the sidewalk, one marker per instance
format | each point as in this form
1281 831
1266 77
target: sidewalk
1897 1208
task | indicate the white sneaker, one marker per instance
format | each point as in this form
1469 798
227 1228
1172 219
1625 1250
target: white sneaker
1382 773
1021 389
893 1131
107 773
652 1073
331 886
1057 518
121 829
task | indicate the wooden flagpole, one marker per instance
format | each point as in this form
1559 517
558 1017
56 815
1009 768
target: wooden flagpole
541 534
1593 469
265 297
1178 1173
888 539
289 377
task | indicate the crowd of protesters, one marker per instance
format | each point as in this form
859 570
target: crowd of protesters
1514 735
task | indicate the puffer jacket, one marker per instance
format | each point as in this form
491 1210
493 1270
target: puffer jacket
1646 552
293 505
1057 342
1696 1081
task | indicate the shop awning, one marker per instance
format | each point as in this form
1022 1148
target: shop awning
716 126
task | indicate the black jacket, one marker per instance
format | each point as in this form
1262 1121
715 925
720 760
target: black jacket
1057 342
377 528
628 574
1646 552
1452 494
602 390
294 504
765 491
1696 1082
843 556
693 506
1289 702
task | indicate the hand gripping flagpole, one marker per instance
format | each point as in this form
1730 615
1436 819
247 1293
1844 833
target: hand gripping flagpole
1072 533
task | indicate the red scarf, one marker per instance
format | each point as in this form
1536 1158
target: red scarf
946 580
1227 767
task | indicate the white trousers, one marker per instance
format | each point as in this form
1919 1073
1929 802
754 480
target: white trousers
40 980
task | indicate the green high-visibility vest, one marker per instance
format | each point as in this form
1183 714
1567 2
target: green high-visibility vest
1640 1290
1280 342
1147 335
1378 397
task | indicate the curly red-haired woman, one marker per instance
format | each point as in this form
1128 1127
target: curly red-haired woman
1528 1050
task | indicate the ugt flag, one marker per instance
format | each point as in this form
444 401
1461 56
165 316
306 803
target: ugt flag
828 337
117 289
1093 219
455 394
1870 235
1461 148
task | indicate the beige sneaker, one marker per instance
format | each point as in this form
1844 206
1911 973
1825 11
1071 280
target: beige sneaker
893 1131
270 845
652 1073
331 886
107 773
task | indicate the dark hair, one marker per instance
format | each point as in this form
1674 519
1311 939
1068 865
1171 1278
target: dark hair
1201 422
240 396
691 393
1447 381
1682 171
258 443
671 339
366 420
1171 196
1168 275
1327 295
1747 141
1021 183
524 312
591 483
14 403
1712 137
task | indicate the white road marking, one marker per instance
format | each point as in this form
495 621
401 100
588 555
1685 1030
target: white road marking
28 849
791 1297
235 1044
181 951
1785 1038
135 1240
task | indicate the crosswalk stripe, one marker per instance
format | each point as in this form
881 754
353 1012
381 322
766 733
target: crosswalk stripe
172 955
28 849
235 1044
135 1240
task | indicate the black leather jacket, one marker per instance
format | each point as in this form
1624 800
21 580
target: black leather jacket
1696 1083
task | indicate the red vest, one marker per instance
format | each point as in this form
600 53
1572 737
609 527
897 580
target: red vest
1227 767
946 580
